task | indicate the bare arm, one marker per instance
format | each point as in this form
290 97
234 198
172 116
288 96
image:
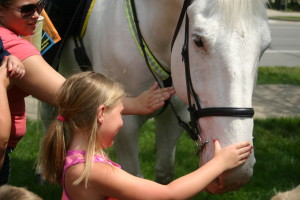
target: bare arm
108 181
5 118
40 80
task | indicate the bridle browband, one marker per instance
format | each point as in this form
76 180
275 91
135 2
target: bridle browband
195 109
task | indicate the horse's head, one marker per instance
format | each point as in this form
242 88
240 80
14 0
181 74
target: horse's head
226 42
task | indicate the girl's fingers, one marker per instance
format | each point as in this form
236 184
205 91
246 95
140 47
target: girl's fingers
243 145
245 156
242 161
245 149
217 145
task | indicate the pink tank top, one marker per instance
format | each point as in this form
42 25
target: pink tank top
76 157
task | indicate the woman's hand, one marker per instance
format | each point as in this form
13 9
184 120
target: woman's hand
148 101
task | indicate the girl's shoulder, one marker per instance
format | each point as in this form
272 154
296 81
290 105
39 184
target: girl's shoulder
100 173
78 156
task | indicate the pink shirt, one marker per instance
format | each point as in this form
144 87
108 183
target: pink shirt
75 157
22 49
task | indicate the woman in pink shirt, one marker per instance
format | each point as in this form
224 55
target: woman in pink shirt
19 17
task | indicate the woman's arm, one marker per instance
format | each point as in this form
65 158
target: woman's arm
40 80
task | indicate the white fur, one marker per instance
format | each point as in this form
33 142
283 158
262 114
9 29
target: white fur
223 73
293 194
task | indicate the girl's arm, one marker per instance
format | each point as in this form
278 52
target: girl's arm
108 181
5 118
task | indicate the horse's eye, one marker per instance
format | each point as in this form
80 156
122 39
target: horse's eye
198 41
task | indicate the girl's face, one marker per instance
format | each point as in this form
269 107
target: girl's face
20 16
110 121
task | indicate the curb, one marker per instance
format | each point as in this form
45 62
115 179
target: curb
285 18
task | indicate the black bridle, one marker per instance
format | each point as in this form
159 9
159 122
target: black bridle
195 109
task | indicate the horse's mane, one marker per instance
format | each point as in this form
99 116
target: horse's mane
235 11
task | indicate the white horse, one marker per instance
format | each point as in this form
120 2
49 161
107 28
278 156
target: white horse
226 39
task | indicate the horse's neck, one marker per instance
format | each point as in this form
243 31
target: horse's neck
157 20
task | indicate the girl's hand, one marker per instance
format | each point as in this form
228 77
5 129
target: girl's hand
233 155
15 67
152 99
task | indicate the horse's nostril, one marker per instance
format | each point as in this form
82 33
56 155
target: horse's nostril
216 187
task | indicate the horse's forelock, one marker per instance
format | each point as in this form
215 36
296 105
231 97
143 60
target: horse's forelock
237 11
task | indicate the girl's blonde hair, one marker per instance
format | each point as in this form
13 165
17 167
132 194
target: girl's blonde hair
78 101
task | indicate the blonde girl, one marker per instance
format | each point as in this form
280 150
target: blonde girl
90 115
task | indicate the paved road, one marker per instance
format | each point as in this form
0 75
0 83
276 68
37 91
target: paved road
285 46
276 101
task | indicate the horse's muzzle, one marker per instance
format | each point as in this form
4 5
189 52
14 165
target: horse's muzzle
231 180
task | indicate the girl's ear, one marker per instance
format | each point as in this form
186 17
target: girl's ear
100 113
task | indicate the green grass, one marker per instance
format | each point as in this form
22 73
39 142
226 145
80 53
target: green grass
279 75
286 18
23 161
277 152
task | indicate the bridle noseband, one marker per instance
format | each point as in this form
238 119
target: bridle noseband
195 109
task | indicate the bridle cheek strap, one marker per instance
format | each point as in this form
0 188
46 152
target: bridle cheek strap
194 108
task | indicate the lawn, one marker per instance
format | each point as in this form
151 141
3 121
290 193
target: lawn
276 143
279 75
286 18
